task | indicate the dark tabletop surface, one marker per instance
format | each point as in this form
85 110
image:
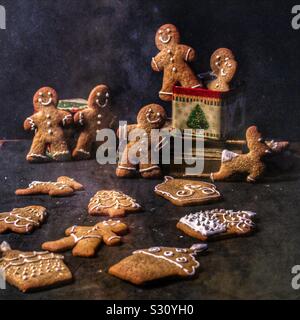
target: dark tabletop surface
255 267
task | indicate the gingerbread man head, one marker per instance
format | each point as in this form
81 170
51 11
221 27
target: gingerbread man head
256 143
219 57
166 36
152 116
99 97
45 97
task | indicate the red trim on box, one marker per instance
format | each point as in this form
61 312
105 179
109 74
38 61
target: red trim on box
200 92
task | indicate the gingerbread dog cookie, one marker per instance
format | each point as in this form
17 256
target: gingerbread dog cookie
22 220
250 163
47 124
173 60
150 117
92 120
218 223
112 203
64 187
187 192
157 263
224 67
33 270
85 240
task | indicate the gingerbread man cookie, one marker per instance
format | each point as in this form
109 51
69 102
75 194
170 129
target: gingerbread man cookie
147 265
85 240
47 124
22 220
92 120
218 223
64 187
224 67
173 60
150 117
187 192
33 270
250 164
112 203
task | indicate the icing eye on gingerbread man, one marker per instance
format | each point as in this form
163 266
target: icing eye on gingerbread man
45 97
167 35
99 97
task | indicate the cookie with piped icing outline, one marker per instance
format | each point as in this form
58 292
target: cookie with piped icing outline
173 60
158 263
112 203
30 271
47 124
217 224
187 192
85 240
63 187
22 220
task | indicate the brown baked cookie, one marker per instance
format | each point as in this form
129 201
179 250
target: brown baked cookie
33 270
218 223
47 124
187 192
64 187
278 146
173 60
250 164
85 240
22 220
92 120
150 117
112 203
144 266
219 57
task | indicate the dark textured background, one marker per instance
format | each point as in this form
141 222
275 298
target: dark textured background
74 45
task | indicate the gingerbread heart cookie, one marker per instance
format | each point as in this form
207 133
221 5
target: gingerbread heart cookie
33 270
112 203
147 265
85 240
187 192
22 220
217 223
63 187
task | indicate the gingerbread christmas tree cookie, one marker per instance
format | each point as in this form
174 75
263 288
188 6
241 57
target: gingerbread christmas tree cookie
187 192
157 263
22 220
217 223
33 270
112 203
85 240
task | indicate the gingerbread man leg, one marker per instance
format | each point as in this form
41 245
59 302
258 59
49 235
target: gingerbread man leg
37 151
224 173
125 168
83 147
60 151
150 171
59 245
166 92
255 173
189 80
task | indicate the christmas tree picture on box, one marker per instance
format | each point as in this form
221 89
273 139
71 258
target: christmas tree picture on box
197 119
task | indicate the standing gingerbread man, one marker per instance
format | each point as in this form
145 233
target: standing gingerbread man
92 120
173 60
47 123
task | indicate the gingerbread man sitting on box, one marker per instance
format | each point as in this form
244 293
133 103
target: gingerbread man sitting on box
173 60
47 123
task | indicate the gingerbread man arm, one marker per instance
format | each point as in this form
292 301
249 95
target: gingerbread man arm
157 62
188 53
112 231
30 124
66 118
81 117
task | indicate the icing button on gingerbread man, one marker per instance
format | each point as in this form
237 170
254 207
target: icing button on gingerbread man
92 121
173 60
47 124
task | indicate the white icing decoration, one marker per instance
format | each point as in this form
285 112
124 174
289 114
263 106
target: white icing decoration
166 93
155 249
32 124
156 120
155 64
187 54
169 254
165 40
149 169
65 119
83 151
81 119
47 103
228 156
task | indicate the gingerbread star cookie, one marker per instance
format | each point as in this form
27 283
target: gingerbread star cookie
63 187
218 223
147 265
187 192
22 220
85 240
33 270
112 203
